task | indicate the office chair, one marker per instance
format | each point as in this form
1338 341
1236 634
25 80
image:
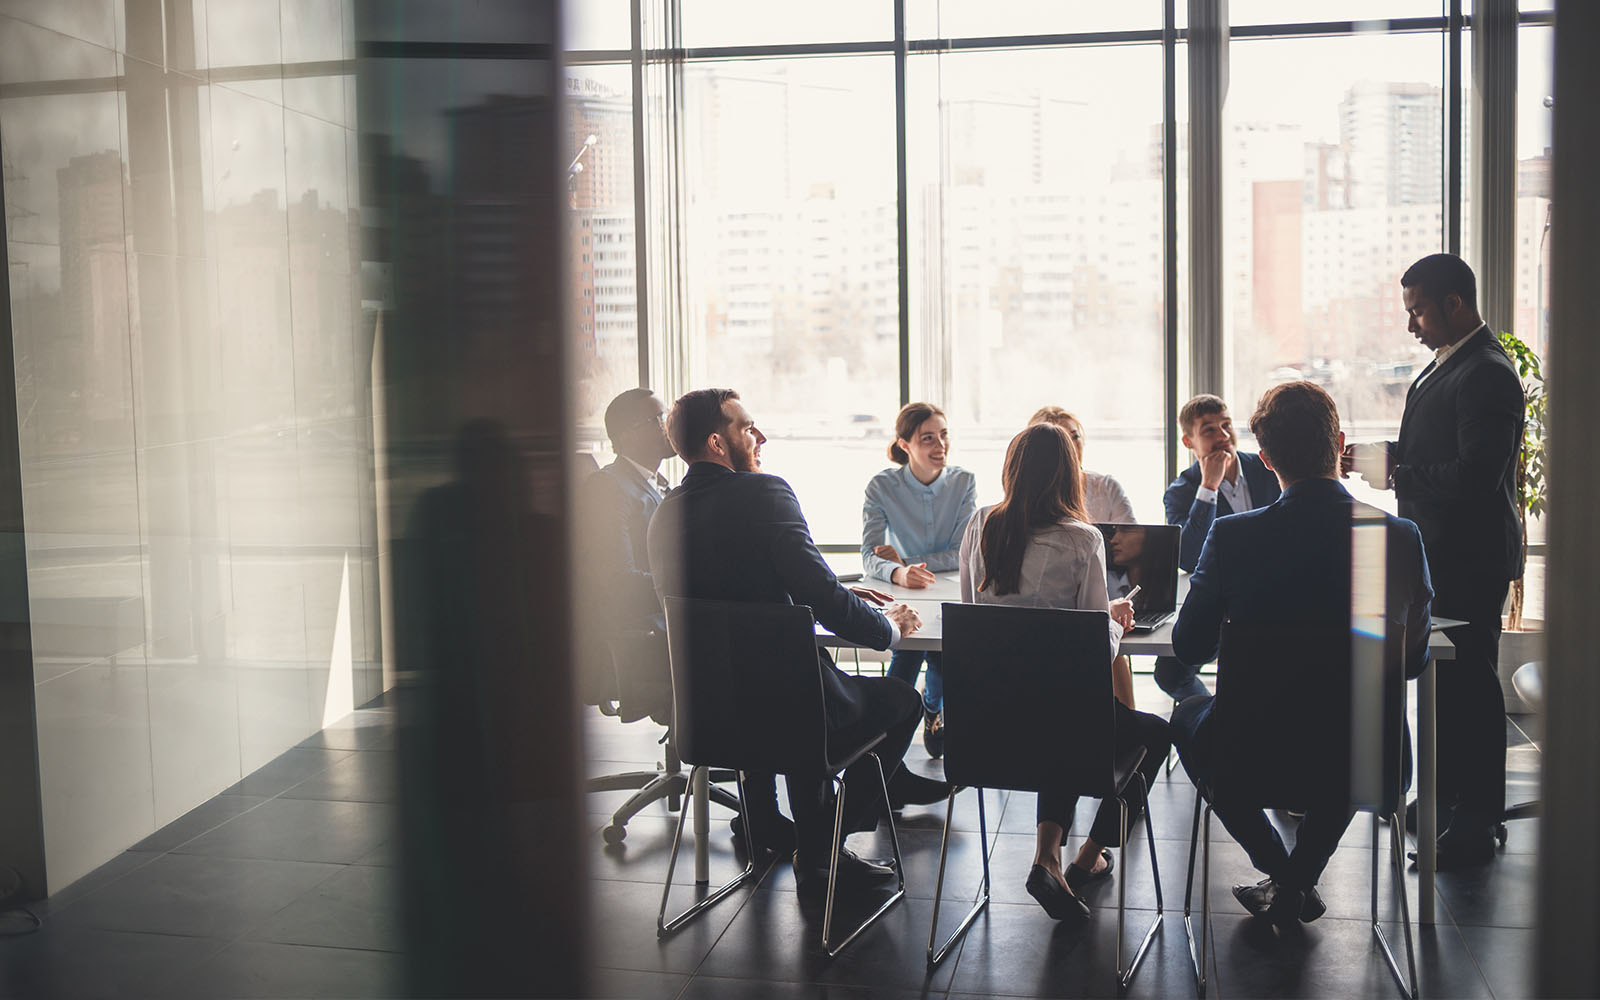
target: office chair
1529 684
1262 678
1028 706
641 686
723 717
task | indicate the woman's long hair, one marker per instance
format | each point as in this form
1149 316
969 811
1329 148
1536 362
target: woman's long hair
1043 487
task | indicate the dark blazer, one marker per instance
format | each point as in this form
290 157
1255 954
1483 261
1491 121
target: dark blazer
618 507
1290 563
1456 462
1195 518
740 536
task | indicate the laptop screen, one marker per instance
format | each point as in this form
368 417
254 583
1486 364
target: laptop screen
1146 555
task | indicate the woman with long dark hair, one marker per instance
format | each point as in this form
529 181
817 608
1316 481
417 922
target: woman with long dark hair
1037 549
911 525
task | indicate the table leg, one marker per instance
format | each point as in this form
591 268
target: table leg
702 826
1427 804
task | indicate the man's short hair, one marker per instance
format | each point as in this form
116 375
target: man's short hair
1203 405
1441 274
695 416
623 412
1297 427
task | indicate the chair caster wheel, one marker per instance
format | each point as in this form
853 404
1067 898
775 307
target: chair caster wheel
614 834
1500 833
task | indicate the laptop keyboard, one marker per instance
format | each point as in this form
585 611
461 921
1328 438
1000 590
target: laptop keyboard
1145 621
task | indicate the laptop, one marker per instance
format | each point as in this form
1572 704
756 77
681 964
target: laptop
1146 555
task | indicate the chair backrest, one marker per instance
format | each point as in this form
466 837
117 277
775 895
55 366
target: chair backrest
1027 699
643 675
1309 713
746 686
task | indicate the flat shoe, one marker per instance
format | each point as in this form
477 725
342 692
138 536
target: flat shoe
1077 878
1056 899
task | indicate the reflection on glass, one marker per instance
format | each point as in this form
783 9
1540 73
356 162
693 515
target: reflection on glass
1036 251
602 292
1331 190
988 18
739 22
793 283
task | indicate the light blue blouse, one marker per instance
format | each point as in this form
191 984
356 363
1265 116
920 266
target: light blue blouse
923 523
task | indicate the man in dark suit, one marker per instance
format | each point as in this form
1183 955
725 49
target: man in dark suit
1222 480
728 532
1288 563
619 501
1453 471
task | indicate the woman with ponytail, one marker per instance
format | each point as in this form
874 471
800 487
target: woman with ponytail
911 525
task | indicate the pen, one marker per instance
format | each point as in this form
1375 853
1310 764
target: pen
1130 595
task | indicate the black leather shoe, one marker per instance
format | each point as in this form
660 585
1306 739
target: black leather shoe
854 872
1257 898
1313 907
1460 852
1055 898
933 733
773 835
907 789
1286 907
1077 878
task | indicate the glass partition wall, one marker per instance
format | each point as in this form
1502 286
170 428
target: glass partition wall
977 205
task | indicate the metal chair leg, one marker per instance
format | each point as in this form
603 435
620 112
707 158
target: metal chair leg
833 866
1125 977
665 926
1408 986
935 957
1198 952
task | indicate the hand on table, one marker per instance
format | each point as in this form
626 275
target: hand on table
1122 612
916 576
1217 466
904 617
871 596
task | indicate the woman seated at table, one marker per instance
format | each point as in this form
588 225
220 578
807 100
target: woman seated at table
1104 499
1037 549
911 525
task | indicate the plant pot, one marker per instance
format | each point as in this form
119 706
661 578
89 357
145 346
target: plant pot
1517 648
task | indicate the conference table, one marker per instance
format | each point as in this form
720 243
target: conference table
946 588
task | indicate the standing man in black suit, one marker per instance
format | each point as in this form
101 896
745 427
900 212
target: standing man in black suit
1453 471
728 532
1222 480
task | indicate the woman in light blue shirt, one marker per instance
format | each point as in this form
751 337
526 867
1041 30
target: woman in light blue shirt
911 528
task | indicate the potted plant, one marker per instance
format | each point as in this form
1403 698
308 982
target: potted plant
1530 482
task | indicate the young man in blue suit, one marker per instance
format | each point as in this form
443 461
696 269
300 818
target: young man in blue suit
1221 481
730 533
620 500
1289 563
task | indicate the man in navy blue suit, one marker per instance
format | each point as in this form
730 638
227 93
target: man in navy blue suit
1221 481
730 533
1288 564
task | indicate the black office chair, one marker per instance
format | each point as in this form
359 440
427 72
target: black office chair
1027 695
640 687
1322 748
732 662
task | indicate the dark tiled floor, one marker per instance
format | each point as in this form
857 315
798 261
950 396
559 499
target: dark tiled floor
762 942
284 885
